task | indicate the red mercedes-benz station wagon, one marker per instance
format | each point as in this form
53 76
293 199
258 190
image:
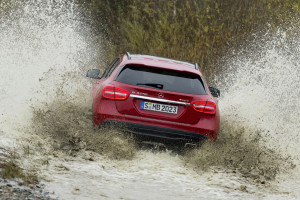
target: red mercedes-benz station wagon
157 98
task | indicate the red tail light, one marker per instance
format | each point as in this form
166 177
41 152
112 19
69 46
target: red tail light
204 106
115 93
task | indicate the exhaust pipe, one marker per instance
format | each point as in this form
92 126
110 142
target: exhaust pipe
189 145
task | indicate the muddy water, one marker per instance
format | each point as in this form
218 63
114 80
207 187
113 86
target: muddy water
45 48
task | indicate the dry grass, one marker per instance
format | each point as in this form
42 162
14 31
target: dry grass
10 168
194 31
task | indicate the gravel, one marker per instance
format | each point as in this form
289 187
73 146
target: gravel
12 190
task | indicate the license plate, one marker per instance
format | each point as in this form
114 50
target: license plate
159 107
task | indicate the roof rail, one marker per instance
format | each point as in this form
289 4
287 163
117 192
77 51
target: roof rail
196 66
128 55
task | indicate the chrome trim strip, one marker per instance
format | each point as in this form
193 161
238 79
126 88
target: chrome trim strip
159 100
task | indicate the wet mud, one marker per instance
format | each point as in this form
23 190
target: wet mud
70 128
235 152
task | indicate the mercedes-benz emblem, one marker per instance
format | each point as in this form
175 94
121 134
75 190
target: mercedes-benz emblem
160 95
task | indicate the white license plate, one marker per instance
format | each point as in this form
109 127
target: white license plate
159 107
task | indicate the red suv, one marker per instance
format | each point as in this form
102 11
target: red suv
156 97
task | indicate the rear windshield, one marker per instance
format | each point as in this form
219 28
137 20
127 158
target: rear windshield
163 79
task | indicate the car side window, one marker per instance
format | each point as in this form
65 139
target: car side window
118 60
110 66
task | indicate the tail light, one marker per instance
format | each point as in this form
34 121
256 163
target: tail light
115 93
204 106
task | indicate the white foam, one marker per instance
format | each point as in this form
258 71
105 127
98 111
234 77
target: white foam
262 90
37 37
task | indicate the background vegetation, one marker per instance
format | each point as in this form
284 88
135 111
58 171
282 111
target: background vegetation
191 30
199 31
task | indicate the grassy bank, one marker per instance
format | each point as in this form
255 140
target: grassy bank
191 30
10 168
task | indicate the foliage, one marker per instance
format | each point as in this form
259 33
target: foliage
190 30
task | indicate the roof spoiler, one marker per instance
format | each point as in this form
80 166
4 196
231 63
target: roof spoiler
129 58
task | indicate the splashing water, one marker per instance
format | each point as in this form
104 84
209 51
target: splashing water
261 96
39 37
70 128
263 92
259 134
45 47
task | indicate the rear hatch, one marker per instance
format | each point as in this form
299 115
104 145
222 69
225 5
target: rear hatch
160 94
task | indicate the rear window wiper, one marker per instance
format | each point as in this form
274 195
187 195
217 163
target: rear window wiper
154 85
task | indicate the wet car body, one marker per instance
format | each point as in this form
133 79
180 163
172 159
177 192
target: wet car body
156 98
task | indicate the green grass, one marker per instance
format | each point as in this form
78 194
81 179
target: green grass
10 169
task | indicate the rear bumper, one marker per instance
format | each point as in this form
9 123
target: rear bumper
155 132
105 112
